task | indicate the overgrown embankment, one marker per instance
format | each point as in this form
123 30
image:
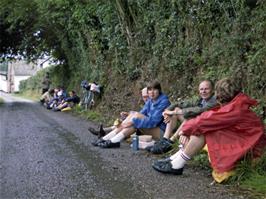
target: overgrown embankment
123 44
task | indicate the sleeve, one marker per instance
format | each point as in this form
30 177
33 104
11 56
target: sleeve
191 112
209 121
183 104
144 110
154 119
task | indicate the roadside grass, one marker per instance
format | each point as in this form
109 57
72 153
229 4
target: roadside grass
91 115
1 101
31 95
250 174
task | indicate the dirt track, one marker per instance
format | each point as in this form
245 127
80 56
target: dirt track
46 154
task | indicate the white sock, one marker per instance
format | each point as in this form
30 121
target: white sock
110 135
172 157
181 149
180 160
118 138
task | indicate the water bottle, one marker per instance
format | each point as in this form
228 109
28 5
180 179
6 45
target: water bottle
135 143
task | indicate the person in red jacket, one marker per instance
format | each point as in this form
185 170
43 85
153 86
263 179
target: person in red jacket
229 130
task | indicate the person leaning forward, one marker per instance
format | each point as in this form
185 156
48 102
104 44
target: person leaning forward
182 111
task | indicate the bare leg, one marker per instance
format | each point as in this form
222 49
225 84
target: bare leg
112 134
125 132
176 134
195 144
109 129
170 127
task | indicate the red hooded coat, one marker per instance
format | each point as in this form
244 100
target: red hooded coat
230 131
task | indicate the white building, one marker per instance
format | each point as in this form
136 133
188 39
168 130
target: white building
11 73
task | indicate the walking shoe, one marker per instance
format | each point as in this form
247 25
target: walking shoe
149 148
163 146
93 131
100 133
97 142
167 159
109 144
167 168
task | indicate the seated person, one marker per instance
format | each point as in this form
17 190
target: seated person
182 111
149 120
230 131
70 101
47 96
103 131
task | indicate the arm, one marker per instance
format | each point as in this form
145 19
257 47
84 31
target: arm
183 104
211 121
153 119
144 110
197 110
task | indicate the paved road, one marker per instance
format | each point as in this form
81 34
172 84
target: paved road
47 154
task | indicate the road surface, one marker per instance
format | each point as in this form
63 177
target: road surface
46 154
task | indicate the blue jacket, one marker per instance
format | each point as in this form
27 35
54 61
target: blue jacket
153 111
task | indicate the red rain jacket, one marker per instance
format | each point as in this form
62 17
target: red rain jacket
230 131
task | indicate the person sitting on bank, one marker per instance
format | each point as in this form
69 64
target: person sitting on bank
183 111
102 131
46 83
230 131
47 97
149 120
68 102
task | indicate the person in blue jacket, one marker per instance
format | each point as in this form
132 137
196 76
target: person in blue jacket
148 120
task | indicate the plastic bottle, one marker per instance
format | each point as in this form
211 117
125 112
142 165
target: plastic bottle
135 143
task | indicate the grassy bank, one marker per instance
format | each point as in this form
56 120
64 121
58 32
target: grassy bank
1 101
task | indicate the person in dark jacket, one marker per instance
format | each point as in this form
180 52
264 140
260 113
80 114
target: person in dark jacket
149 120
182 111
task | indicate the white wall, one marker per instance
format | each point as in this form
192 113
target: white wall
17 80
3 83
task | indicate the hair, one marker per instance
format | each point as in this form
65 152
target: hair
73 92
154 85
209 81
226 89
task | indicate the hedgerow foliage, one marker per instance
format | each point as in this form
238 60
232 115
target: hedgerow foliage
121 42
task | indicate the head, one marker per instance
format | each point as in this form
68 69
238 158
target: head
51 91
206 89
225 90
154 90
144 94
72 93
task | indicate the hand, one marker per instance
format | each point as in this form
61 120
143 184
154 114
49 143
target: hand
178 111
124 114
168 113
183 140
166 119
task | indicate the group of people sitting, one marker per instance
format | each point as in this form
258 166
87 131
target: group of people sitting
220 119
58 100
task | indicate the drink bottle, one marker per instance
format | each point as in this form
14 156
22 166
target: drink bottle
135 143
